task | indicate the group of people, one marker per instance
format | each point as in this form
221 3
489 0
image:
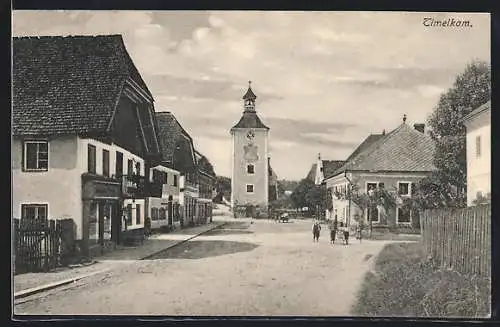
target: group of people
335 228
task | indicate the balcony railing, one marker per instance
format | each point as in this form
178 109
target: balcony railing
134 186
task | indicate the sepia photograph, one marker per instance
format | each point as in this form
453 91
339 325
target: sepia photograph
251 163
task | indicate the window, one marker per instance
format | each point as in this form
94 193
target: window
478 146
119 164
36 155
403 215
138 214
138 168
175 180
249 188
130 167
34 211
404 188
129 214
105 163
154 213
162 214
91 159
93 222
250 169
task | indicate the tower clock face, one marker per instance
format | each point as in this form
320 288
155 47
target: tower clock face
250 135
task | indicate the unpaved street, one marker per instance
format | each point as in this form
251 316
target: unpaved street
263 268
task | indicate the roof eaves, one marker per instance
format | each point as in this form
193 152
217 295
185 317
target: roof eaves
129 63
477 111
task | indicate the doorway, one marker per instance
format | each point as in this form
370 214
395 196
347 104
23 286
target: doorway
116 222
249 212
170 211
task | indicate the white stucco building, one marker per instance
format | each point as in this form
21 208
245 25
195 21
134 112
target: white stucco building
250 162
478 124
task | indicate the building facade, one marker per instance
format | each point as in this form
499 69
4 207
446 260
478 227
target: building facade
163 204
207 189
178 153
478 125
250 153
317 175
85 154
392 162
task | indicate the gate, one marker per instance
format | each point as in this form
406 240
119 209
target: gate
40 245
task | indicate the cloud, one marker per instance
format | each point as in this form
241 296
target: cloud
324 80
204 87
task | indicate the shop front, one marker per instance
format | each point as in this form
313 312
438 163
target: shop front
205 210
101 215
188 202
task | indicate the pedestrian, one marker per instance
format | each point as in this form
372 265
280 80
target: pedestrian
345 231
333 230
316 231
359 231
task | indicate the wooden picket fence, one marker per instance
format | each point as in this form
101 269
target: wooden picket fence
459 239
41 245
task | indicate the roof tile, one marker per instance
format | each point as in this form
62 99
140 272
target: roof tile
68 85
403 149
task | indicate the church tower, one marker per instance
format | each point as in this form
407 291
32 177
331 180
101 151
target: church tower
250 173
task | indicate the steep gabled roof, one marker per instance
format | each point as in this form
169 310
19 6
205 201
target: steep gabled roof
329 167
311 175
204 165
170 136
68 85
403 149
372 138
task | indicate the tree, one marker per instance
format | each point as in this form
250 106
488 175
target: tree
329 199
314 198
447 187
223 186
299 194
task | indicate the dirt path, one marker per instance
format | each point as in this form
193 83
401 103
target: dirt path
245 269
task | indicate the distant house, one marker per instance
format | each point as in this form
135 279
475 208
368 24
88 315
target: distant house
478 124
318 172
323 168
163 204
178 153
84 136
394 161
207 181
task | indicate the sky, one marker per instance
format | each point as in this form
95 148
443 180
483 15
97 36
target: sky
324 80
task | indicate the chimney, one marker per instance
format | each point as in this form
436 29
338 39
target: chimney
383 132
419 127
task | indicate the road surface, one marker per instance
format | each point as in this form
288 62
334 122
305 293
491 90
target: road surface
261 268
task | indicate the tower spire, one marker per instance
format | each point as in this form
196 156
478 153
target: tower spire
249 99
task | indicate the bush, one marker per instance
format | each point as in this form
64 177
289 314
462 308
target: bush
405 283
